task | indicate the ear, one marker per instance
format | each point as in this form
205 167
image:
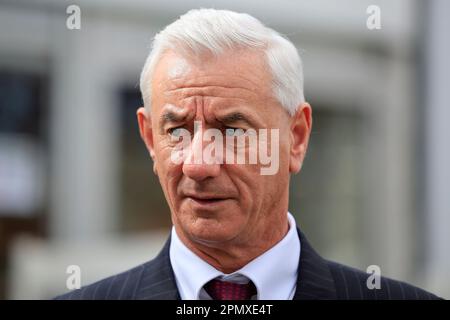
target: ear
300 128
146 130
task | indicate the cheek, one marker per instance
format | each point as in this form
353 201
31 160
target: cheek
169 173
248 181
255 189
163 151
284 154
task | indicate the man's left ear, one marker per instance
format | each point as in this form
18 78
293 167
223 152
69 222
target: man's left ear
300 129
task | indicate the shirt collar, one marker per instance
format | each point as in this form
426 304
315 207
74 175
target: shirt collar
274 273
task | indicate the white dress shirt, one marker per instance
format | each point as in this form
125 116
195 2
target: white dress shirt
274 273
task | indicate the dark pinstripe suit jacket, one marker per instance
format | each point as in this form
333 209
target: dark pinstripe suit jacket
318 279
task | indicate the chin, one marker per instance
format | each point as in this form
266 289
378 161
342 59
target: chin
210 231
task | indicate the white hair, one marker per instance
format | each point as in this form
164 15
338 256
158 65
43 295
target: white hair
218 30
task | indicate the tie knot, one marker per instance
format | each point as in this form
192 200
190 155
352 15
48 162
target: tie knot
225 290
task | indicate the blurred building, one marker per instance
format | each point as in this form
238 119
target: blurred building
76 184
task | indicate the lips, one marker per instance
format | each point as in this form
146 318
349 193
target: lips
206 200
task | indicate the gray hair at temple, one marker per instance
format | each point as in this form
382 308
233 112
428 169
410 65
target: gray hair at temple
219 30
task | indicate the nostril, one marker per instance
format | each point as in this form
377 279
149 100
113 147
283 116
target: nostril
201 171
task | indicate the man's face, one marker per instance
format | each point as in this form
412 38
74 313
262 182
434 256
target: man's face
214 203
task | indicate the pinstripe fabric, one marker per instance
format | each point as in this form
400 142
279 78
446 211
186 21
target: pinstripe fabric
317 279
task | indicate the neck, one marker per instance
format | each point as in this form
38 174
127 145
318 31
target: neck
230 256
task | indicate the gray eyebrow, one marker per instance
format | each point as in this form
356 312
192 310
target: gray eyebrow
234 117
170 116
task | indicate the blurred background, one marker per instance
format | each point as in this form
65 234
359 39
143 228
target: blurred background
76 182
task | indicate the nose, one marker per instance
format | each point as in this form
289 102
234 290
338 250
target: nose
194 165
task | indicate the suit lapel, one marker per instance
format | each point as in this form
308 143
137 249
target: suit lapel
314 279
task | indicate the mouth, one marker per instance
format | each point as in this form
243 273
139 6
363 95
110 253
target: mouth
207 201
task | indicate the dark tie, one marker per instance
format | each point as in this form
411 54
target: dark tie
225 290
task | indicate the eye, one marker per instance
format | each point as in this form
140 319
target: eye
175 132
229 131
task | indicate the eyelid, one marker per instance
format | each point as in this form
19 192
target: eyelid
172 129
231 131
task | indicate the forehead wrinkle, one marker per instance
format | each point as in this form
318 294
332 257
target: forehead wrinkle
211 91
213 103
199 81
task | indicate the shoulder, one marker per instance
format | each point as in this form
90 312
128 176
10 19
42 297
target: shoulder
351 283
120 286
151 280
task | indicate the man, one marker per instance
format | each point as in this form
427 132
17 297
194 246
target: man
217 73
